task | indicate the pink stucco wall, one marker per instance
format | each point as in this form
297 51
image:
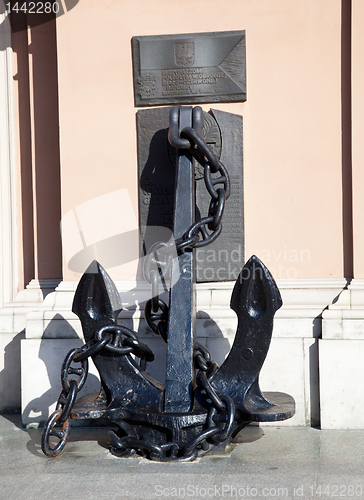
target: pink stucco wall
38 154
292 118
357 136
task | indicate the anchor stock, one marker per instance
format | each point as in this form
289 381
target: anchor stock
201 405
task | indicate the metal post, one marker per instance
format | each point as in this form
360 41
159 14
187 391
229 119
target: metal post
180 373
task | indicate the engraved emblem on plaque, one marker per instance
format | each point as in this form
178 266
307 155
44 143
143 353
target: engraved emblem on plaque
184 53
147 86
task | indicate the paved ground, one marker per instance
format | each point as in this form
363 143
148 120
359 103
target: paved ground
269 462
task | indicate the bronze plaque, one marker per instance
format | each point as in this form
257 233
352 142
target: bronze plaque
223 259
189 68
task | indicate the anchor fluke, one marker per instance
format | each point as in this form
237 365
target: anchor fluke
255 300
96 301
255 290
123 381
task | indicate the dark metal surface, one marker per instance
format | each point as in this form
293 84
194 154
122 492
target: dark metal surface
201 405
189 68
180 376
255 299
223 258
97 304
225 399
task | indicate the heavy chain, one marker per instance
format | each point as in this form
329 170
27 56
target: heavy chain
219 421
109 338
217 429
222 411
158 261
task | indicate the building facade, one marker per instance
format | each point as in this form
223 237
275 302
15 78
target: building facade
69 180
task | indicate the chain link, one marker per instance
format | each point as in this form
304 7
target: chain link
67 370
49 431
66 401
157 321
159 258
221 415
108 337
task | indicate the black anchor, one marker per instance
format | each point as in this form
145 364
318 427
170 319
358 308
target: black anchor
201 405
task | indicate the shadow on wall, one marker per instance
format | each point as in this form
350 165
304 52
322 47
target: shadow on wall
10 385
42 362
208 334
314 378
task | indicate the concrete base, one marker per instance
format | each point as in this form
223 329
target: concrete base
341 355
341 384
13 320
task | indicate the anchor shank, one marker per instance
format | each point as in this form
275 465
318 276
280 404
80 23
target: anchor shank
180 373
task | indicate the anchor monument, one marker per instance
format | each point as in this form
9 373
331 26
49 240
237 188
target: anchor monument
201 405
